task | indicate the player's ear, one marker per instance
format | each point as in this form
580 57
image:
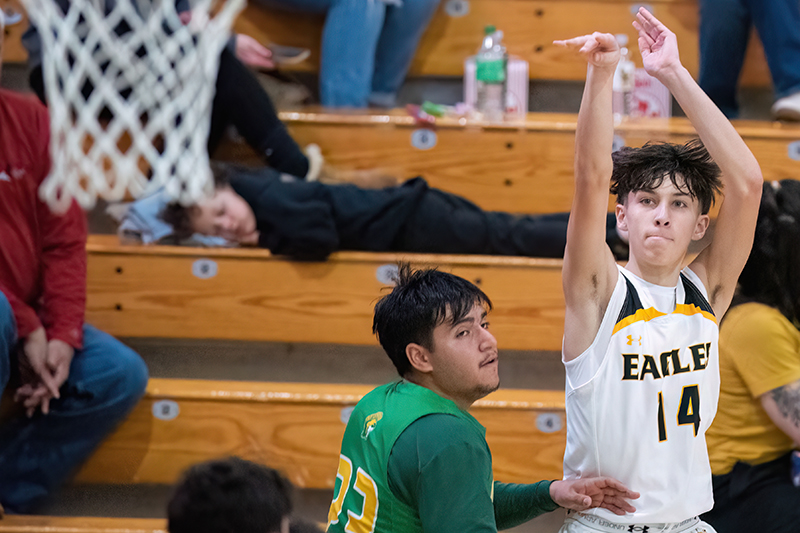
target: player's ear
622 220
419 357
701 227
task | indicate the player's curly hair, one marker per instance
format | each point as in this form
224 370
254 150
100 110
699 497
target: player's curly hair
689 166
229 496
771 275
421 300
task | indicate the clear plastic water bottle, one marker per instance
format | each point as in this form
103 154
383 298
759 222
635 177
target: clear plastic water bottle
491 75
624 82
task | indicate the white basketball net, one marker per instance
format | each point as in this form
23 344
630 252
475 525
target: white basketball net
153 74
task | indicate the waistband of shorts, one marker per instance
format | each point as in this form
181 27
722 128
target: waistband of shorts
602 524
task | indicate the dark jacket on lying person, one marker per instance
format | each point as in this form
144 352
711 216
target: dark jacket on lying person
310 220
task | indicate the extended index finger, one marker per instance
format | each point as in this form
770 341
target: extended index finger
574 43
614 487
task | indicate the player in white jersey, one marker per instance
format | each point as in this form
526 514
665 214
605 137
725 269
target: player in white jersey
640 343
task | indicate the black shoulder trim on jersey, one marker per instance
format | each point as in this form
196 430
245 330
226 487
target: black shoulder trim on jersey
694 296
632 301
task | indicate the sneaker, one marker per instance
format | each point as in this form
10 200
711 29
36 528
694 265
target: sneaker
787 108
288 55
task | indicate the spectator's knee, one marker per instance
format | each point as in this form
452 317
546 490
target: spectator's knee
134 374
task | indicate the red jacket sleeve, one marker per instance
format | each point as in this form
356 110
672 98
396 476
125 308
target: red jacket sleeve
63 263
24 315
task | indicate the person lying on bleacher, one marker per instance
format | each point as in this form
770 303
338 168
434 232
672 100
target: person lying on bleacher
74 382
413 458
232 494
310 220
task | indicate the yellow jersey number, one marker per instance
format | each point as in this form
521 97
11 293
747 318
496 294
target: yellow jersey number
364 521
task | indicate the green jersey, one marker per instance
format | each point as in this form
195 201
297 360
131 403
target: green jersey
363 499
412 461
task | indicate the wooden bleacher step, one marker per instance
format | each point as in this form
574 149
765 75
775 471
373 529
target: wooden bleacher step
521 167
13 51
80 524
530 28
249 294
297 428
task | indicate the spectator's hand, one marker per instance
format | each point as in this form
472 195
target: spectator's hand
59 358
599 49
253 53
38 383
583 494
658 45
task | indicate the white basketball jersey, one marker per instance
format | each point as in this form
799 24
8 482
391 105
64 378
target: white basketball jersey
641 397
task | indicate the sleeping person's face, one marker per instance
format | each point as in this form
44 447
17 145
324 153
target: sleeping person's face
226 214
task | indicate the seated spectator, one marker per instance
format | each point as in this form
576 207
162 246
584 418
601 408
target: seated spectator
311 220
233 495
367 46
725 27
74 382
758 422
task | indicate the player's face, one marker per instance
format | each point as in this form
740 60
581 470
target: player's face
464 358
660 224
226 214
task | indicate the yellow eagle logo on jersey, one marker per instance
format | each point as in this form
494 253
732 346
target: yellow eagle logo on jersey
370 423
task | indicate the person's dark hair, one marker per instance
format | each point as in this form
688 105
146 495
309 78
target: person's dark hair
180 217
772 273
229 496
420 301
689 166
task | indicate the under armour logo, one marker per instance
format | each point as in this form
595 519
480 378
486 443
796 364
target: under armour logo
637 340
18 173
645 529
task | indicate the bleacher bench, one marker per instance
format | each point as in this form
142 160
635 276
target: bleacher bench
521 167
249 294
80 524
13 51
298 427
455 32
530 27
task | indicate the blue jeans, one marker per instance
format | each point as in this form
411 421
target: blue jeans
367 46
724 32
38 454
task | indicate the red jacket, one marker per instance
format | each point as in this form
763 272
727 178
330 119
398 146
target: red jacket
42 255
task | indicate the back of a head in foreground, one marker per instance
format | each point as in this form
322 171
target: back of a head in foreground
421 300
689 166
230 496
772 273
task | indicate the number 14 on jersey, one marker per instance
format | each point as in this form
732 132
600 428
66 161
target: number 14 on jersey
688 411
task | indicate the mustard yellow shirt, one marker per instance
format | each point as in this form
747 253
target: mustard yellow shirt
759 350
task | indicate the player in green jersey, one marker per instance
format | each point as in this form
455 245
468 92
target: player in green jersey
413 459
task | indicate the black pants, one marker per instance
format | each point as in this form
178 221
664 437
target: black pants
239 101
446 223
756 499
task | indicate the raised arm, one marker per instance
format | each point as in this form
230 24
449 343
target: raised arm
720 264
589 272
